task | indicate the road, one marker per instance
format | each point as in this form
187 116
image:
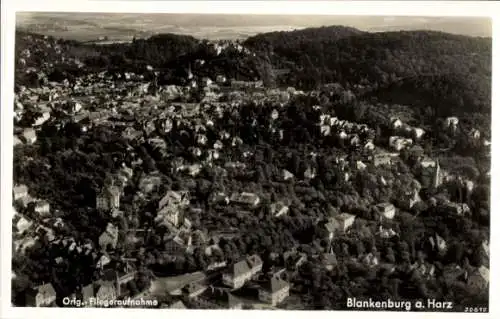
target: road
166 285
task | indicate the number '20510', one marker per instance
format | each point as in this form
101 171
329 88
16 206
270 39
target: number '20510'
476 309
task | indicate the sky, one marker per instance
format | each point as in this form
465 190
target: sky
87 26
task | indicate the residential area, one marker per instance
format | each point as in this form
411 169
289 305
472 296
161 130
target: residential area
222 193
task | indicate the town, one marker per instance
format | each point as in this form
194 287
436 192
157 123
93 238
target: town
222 193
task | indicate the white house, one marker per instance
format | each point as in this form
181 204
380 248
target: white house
386 210
42 207
23 224
20 191
274 291
279 209
451 122
29 136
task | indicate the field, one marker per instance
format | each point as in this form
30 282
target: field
123 27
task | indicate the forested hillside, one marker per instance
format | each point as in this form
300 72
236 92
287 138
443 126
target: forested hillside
374 58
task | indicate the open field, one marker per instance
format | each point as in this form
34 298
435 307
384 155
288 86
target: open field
88 27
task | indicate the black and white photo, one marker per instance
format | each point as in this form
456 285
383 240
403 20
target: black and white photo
246 161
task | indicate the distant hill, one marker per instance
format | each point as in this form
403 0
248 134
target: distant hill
416 68
346 55
282 39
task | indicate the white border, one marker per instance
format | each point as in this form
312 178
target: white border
386 8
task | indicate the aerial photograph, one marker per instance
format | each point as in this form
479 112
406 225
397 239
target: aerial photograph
208 161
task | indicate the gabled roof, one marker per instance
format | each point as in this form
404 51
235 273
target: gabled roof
385 206
344 216
88 291
46 290
275 284
240 268
20 189
254 260
484 273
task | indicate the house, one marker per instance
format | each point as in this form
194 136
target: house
418 133
42 208
274 291
395 122
21 245
194 289
103 261
386 232
246 198
385 210
339 223
210 250
45 232
16 140
345 221
22 224
169 214
438 243
370 260
398 142
19 191
255 263
294 259
360 165
201 139
480 278
457 208
242 271
416 151
220 197
109 237
382 159
355 140
29 136
427 162
44 117
174 198
423 269
485 245
369 146
279 209
86 293
310 173
274 114
149 183
287 175
217 265
41 296
205 81
329 261
109 199
106 290
451 122
76 107
220 79
237 275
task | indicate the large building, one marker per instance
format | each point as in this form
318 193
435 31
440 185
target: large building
242 271
41 296
274 291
